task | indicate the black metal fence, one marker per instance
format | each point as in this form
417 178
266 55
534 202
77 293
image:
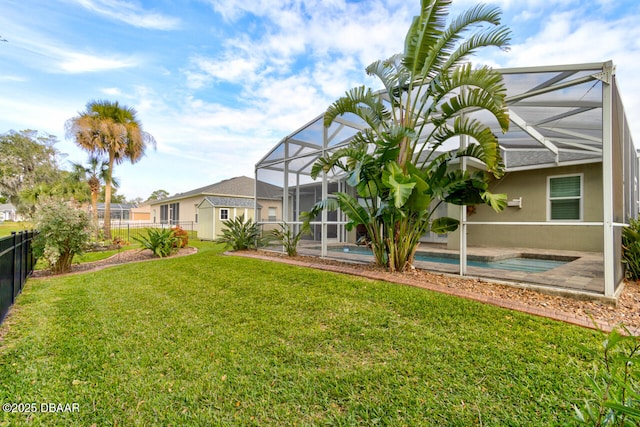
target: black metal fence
126 231
16 264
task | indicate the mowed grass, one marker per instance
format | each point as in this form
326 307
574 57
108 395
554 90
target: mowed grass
210 339
7 227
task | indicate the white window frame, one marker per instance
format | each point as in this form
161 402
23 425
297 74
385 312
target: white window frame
273 217
228 214
580 198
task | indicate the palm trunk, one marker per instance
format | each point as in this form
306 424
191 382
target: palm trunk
94 213
107 199
107 211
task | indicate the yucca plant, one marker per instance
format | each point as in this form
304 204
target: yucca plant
395 165
239 234
162 242
289 237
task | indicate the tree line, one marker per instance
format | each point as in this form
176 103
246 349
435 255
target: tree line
31 168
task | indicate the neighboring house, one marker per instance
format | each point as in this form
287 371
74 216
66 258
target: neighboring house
119 211
571 179
8 213
141 213
231 197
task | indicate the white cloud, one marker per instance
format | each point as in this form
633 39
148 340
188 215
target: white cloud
131 14
304 56
112 91
43 52
231 69
76 62
12 78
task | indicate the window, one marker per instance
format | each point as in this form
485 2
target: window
174 209
565 198
224 214
170 213
272 214
164 213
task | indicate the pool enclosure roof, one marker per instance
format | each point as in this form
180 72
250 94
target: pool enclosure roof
556 115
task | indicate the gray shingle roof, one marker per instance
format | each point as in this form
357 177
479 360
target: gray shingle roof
230 202
513 159
238 186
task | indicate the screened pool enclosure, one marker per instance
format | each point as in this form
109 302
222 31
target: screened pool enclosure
571 181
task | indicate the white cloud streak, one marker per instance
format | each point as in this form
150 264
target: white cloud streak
130 14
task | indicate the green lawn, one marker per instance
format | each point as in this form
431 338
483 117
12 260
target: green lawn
209 339
7 227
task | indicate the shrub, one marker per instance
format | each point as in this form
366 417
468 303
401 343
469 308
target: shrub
64 231
162 242
182 237
241 235
289 238
119 242
615 384
631 249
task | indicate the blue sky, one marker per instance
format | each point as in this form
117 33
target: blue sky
219 82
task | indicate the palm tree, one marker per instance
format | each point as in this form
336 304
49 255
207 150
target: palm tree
397 165
94 175
108 128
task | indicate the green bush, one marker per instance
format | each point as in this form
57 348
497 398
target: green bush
64 231
615 384
289 238
240 235
162 242
631 249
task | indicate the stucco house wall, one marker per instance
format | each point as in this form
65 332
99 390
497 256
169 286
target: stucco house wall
187 208
141 213
532 187
188 202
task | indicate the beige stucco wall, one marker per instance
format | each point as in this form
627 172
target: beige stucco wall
233 214
264 211
532 187
141 213
187 208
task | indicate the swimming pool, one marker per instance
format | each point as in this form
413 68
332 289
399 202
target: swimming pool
529 265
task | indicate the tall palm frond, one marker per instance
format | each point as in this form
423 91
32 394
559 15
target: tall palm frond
431 97
110 129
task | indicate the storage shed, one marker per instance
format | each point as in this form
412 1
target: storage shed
213 211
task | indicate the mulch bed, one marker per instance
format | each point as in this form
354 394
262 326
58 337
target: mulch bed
132 255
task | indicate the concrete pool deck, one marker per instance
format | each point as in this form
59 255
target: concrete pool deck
582 276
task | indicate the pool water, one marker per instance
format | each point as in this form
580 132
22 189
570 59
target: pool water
529 265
